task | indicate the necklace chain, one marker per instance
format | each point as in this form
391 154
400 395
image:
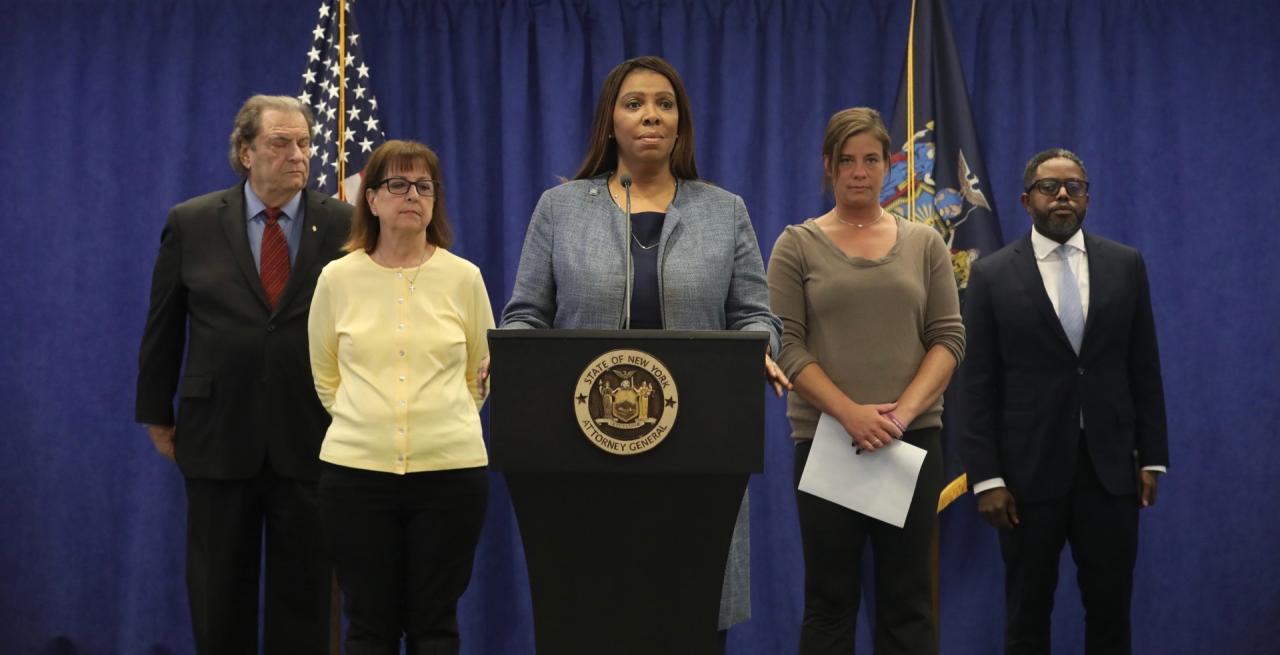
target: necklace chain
617 196
642 246
416 271
861 225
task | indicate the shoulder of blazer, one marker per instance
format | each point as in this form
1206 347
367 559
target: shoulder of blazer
326 208
1105 247
692 194
211 202
1006 255
571 200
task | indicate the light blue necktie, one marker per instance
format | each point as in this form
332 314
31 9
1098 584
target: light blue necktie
1070 309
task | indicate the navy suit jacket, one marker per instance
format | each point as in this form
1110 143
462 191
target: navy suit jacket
246 392
1025 389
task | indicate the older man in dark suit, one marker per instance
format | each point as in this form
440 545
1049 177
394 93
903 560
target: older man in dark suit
232 287
1063 430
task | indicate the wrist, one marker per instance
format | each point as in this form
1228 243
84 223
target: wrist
906 412
846 409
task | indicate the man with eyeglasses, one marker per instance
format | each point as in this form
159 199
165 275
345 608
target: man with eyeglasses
1063 428
232 287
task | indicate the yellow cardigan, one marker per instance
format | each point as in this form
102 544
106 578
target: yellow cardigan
395 366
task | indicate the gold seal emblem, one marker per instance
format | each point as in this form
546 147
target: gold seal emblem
626 401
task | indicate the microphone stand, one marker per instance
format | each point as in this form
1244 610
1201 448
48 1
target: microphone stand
625 180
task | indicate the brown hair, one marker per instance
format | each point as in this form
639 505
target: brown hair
396 155
602 152
848 123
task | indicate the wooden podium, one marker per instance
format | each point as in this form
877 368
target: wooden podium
626 546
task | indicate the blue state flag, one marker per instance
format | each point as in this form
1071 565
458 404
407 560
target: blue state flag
936 173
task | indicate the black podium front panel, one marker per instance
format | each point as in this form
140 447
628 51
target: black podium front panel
626 548
719 374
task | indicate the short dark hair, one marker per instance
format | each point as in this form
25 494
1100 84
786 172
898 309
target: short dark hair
844 125
602 150
1029 173
248 123
397 155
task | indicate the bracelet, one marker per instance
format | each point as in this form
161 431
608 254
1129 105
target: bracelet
896 421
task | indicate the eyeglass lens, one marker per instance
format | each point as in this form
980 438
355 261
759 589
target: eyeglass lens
1049 186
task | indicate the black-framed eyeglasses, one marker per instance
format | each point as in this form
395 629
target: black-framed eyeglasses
400 186
1049 186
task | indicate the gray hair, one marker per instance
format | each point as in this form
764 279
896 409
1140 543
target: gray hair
1029 173
249 121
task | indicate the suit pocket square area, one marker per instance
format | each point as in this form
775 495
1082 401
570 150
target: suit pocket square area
194 386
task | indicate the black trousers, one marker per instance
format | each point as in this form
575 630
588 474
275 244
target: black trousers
1103 532
227 522
833 541
403 546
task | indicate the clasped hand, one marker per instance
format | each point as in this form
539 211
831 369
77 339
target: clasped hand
869 425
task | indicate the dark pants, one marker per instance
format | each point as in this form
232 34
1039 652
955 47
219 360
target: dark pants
833 541
1103 532
227 521
403 546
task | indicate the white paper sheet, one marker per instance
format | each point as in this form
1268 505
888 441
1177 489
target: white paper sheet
878 483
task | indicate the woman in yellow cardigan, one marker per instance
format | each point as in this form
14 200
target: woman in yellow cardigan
399 354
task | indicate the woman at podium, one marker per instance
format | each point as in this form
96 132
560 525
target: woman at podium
871 335
694 260
399 355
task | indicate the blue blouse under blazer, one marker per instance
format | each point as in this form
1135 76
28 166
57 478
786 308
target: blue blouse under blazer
710 277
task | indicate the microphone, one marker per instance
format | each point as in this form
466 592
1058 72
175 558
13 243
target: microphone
625 180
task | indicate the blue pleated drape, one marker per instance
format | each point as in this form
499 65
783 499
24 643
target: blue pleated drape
113 110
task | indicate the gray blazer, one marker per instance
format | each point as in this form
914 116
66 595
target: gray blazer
710 272
710 277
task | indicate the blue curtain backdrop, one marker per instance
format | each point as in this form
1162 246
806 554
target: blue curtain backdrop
113 110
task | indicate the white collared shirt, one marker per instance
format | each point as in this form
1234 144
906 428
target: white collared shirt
1051 268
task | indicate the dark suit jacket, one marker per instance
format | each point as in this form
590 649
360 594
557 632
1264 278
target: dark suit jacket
246 393
1025 388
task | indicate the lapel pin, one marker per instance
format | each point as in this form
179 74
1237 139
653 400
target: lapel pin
313 228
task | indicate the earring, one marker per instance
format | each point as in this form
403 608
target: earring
610 136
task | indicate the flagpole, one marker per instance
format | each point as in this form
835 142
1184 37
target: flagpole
911 116
342 98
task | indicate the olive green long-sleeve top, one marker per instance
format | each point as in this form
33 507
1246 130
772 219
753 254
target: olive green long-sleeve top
867 322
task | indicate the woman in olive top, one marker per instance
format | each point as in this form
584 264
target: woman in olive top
399 354
871 335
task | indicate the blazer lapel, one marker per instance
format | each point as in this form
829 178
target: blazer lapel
669 224
1100 279
1033 286
232 217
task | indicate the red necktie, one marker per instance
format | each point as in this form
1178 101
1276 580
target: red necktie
274 266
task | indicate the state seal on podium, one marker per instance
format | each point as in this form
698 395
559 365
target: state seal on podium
626 401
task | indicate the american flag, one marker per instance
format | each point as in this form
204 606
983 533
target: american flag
320 91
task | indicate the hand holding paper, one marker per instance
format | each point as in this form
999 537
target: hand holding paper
879 484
